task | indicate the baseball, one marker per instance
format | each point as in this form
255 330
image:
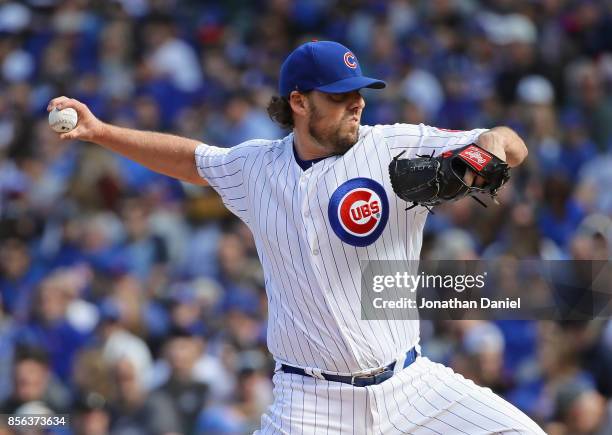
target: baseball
63 121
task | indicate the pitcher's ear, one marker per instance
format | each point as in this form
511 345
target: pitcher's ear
299 102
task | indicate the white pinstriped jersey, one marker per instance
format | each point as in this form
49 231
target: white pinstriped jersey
313 227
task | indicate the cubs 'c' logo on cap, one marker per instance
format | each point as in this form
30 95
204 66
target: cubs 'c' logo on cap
350 60
358 211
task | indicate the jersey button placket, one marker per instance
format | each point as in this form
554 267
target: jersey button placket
309 200
304 194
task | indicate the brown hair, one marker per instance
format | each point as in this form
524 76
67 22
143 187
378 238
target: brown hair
280 111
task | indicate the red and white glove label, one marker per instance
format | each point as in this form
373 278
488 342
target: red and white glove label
476 157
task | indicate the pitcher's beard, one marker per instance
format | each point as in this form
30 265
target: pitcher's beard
333 140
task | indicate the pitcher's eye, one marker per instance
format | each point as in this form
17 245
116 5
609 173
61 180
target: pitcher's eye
338 98
344 96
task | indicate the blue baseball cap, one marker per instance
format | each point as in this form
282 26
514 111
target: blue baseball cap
326 66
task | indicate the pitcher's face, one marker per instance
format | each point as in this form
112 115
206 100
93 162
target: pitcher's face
333 119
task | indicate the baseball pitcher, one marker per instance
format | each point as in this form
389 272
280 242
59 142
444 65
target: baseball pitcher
329 195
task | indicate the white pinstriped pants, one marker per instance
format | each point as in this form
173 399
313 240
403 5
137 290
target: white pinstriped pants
424 398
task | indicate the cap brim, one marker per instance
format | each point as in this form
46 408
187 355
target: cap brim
351 84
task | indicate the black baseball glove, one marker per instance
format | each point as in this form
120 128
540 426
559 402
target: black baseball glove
429 180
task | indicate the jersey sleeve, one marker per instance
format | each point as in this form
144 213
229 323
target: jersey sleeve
223 169
424 140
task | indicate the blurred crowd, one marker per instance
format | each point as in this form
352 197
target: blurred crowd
136 303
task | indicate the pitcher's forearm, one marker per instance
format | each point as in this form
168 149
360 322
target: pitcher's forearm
164 153
505 139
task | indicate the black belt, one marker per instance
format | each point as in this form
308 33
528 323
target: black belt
357 381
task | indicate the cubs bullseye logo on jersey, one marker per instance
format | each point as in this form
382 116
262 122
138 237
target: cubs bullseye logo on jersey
358 211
